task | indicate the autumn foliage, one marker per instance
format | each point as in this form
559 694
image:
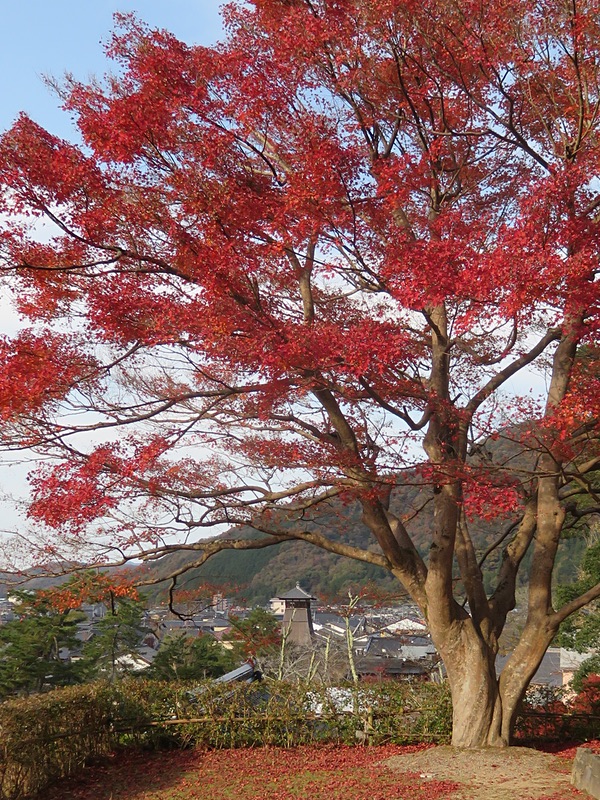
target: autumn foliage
328 256
87 587
323 773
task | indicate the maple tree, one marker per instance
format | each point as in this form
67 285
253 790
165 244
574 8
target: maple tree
309 264
256 635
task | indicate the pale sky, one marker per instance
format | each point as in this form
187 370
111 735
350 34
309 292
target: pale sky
39 38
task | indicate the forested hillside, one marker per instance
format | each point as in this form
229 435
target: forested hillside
254 576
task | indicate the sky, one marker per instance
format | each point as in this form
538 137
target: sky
40 38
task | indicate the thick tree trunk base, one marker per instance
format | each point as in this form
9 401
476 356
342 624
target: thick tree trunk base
477 710
484 705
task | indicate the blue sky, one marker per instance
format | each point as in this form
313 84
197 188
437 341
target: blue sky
39 37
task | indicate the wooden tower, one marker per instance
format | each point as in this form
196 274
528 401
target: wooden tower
297 619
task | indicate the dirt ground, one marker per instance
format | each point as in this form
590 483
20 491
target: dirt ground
490 774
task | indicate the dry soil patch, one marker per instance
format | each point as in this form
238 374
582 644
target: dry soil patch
491 774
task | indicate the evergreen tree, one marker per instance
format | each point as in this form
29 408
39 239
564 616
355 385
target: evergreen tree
116 637
30 648
581 632
184 658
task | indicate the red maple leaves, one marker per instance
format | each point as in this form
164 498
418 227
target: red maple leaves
328 252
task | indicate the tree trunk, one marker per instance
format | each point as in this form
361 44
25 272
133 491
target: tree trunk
521 667
485 707
476 707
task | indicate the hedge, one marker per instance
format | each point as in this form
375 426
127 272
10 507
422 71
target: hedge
44 738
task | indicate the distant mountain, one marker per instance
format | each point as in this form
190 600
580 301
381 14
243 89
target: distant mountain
254 576
37 578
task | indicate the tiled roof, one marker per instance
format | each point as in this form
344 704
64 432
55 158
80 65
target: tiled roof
392 666
549 673
297 593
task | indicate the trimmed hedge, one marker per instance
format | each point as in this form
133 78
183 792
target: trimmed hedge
44 738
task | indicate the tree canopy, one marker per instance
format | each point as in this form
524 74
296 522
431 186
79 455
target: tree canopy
34 647
184 658
112 650
330 255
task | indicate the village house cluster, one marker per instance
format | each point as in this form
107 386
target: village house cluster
386 642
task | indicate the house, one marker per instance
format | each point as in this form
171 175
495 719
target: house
402 657
277 606
412 648
556 669
220 605
194 626
409 626
330 625
6 611
94 611
398 668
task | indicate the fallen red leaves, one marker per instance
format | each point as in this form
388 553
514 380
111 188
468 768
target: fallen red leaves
567 750
321 773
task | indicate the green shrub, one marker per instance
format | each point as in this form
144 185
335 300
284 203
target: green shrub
283 714
46 737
